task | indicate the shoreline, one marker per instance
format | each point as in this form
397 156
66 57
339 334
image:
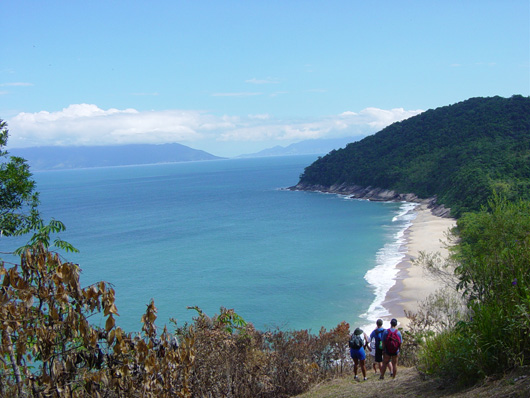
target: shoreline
427 233
375 195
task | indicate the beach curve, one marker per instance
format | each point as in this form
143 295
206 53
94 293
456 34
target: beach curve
428 234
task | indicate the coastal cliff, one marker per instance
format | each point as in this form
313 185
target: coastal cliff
375 194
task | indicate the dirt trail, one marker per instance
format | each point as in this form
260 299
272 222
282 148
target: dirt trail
410 384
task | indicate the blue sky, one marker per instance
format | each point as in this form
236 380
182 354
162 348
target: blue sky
233 77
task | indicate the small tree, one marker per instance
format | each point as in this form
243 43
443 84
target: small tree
46 341
18 199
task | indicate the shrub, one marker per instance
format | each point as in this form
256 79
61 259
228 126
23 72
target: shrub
449 355
493 255
244 362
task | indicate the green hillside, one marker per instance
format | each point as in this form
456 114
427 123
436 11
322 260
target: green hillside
460 153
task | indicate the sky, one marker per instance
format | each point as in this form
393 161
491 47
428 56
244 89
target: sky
233 77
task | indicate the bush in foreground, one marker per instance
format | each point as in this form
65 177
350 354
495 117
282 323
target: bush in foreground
493 263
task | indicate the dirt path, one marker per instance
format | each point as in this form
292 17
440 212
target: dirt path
409 384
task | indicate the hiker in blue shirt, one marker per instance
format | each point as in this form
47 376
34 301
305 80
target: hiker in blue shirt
358 342
391 342
377 338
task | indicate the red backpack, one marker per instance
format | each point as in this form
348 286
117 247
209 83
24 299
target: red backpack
392 342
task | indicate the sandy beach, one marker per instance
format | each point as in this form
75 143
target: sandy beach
426 234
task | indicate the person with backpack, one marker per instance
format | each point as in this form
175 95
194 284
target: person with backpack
372 352
391 342
377 338
358 342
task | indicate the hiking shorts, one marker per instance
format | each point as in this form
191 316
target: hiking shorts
358 354
378 355
391 355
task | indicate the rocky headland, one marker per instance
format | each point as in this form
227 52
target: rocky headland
375 194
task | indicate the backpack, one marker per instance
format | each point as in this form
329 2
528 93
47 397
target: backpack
356 341
392 342
378 340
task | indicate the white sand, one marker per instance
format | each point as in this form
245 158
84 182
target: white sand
427 234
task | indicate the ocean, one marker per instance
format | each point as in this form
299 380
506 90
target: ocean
226 233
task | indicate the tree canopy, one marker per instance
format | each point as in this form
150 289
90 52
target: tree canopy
460 153
18 198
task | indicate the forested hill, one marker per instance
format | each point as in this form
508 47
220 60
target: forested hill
460 153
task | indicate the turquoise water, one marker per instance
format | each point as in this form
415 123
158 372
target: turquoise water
224 233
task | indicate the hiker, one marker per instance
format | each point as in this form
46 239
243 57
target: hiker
372 353
358 342
391 342
376 338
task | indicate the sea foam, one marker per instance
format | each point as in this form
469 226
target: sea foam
383 276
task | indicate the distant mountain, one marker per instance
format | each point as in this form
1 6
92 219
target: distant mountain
306 147
71 157
459 153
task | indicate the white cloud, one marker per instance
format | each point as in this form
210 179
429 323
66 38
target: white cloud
263 116
243 94
16 84
145 94
316 90
269 80
367 121
275 94
87 124
380 118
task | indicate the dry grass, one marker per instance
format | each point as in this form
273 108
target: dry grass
410 384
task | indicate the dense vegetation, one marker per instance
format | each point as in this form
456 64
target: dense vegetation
461 153
492 271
